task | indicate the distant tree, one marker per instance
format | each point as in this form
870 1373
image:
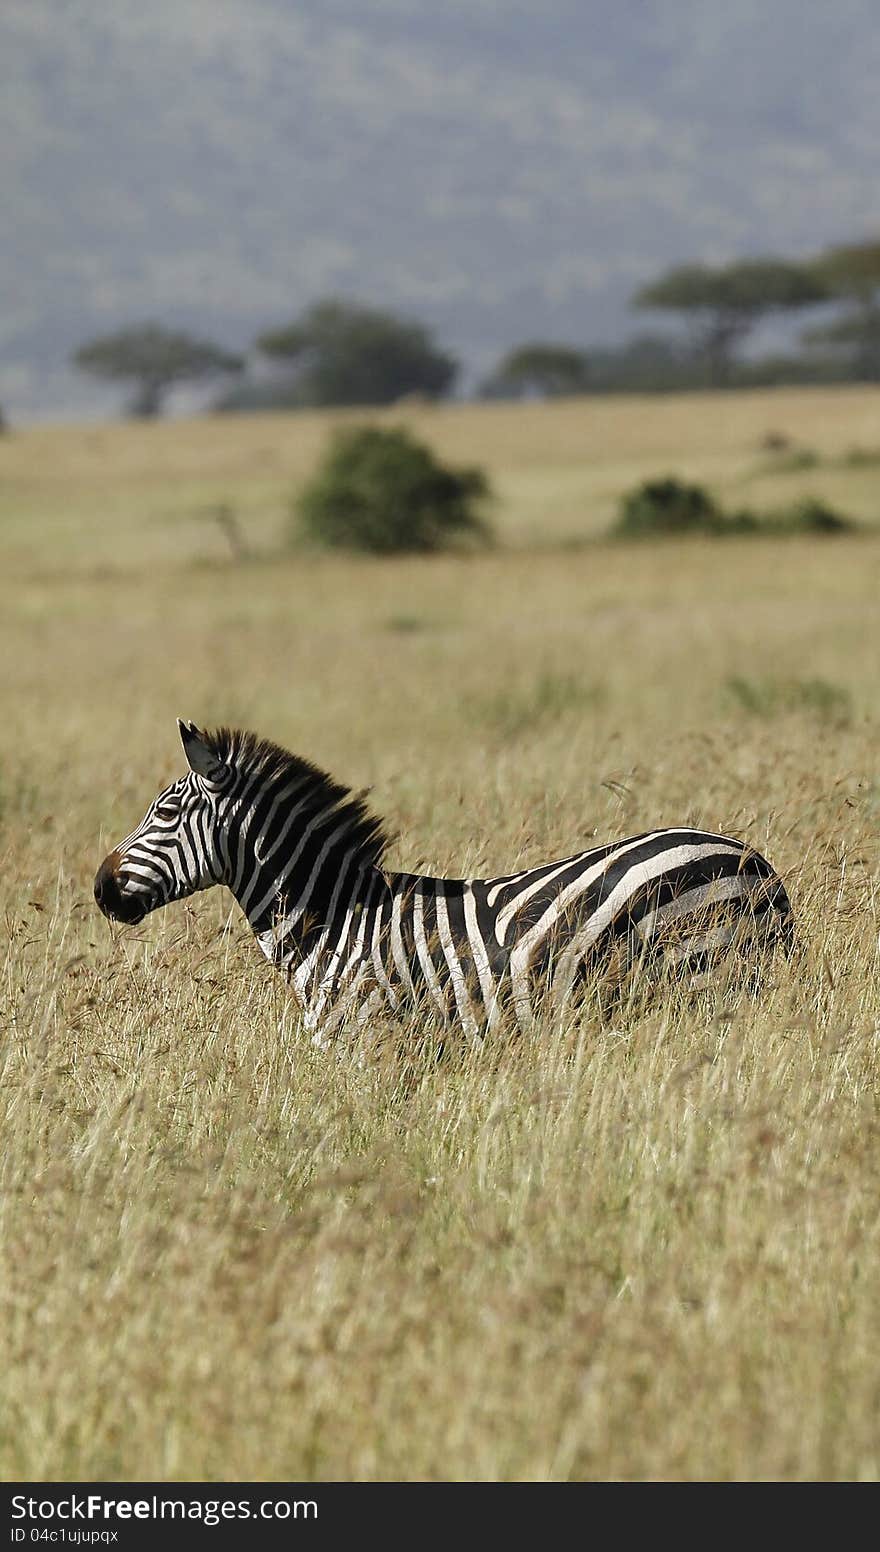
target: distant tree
154 359
851 274
853 340
726 302
539 370
644 363
851 271
248 396
348 354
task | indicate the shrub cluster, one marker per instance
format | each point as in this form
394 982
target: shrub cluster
667 506
384 492
670 506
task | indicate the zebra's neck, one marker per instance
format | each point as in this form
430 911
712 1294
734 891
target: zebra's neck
307 903
299 850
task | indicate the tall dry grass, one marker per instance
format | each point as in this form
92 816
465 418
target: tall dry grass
645 1248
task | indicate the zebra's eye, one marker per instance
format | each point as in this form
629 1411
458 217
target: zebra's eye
166 811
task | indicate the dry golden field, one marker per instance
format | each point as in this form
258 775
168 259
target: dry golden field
642 1249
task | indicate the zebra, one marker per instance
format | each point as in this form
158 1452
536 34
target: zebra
303 857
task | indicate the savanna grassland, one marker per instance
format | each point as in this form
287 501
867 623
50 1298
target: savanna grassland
648 1247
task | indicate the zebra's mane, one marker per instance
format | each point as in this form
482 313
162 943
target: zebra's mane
245 751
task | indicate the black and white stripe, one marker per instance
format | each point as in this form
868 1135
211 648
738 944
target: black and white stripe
303 857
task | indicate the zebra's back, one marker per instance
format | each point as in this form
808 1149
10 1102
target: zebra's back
670 899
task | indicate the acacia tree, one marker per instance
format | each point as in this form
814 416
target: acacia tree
547 370
724 303
154 359
343 353
851 274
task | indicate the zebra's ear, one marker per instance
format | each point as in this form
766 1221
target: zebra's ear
201 758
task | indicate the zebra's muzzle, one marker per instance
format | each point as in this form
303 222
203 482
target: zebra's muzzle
109 896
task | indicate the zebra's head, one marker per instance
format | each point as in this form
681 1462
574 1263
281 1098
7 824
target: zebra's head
176 849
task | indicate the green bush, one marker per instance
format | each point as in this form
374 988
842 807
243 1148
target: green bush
794 461
385 492
809 516
671 507
667 506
